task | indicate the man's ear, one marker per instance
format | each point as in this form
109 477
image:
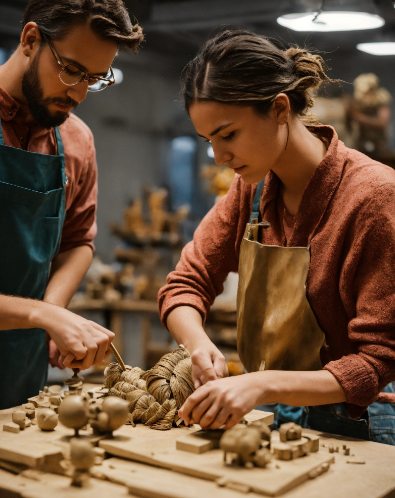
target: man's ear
30 39
281 108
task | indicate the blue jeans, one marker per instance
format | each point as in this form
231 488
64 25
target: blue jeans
376 424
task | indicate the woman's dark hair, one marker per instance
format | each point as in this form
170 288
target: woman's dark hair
109 19
240 67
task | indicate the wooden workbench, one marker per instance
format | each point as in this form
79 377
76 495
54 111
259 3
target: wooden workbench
374 479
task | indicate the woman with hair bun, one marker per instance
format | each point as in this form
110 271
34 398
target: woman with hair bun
310 226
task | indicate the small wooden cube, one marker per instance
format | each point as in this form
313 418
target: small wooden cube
11 427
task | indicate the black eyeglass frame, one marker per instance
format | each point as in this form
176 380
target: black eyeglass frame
85 76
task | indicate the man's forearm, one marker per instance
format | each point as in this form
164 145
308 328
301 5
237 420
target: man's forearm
67 272
19 312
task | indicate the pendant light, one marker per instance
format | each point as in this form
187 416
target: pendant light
377 48
325 19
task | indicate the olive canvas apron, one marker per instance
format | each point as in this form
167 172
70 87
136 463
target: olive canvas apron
32 212
277 330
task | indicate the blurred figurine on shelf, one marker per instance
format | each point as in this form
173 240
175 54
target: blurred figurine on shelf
101 281
159 222
162 220
133 219
220 177
370 113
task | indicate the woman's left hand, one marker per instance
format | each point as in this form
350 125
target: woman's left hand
223 402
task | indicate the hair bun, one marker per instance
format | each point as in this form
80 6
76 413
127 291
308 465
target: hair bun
310 67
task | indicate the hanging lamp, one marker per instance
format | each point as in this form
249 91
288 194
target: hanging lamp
333 18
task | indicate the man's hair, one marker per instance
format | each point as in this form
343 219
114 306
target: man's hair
109 19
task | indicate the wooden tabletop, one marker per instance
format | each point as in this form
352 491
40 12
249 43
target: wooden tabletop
373 479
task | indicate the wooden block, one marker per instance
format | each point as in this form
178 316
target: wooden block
255 415
34 401
32 484
284 451
302 444
314 441
194 444
11 427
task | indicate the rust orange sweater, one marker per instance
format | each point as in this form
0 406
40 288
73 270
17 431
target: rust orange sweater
348 212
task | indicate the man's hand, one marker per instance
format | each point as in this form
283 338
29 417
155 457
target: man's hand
82 343
208 363
55 359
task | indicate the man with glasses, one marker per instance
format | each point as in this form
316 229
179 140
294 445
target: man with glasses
48 186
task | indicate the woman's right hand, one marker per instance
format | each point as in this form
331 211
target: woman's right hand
208 363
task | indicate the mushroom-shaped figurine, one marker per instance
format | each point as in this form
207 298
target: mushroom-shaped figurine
113 414
73 412
82 458
47 419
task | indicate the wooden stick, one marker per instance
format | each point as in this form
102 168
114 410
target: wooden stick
118 357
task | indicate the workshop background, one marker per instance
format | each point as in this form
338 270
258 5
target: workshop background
157 179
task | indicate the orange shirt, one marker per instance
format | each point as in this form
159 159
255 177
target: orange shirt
81 169
348 213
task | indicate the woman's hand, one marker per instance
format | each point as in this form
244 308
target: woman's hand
208 363
223 402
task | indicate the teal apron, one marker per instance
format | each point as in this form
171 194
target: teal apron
376 424
32 212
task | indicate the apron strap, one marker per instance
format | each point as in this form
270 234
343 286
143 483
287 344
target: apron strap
60 143
1 134
257 201
61 155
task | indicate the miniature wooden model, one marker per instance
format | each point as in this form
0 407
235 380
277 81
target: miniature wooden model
73 412
82 459
110 415
47 419
245 442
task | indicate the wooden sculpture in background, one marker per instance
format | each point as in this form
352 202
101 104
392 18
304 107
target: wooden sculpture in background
370 112
159 219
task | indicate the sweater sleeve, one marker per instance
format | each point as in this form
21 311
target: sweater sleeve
214 252
368 276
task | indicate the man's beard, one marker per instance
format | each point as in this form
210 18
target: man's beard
33 93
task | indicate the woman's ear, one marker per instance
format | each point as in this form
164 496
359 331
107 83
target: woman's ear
281 108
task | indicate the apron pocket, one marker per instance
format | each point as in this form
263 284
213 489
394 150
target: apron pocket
51 234
32 198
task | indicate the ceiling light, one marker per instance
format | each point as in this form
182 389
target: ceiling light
118 75
325 21
378 48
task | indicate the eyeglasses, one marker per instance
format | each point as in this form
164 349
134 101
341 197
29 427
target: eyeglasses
72 75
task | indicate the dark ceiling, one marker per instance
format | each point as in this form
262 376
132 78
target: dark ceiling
178 27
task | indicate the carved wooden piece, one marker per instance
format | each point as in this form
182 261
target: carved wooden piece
47 419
